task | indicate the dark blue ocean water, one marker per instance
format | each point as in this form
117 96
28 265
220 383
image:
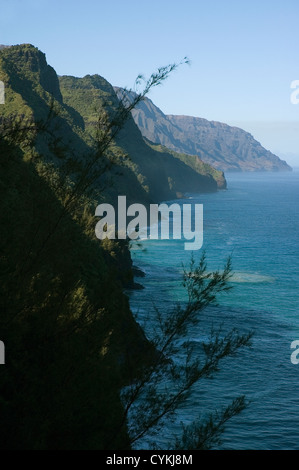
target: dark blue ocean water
257 222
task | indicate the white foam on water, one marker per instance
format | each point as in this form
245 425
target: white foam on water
240 277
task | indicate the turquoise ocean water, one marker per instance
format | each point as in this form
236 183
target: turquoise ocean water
256 221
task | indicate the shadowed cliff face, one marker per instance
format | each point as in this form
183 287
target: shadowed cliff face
26 67
143 173
224 147
71 338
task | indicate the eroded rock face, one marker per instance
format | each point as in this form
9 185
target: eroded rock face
224 147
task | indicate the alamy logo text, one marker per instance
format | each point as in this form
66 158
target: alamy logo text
163 222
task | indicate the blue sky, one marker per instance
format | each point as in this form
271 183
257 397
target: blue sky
244 54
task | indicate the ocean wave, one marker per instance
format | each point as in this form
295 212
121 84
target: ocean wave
239 277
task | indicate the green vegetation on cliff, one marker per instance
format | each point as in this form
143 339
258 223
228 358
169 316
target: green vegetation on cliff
159 174
67 327
195 163
69 334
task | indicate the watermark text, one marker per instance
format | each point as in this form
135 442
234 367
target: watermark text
2 93
163 222
295 354
295 93
2 353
